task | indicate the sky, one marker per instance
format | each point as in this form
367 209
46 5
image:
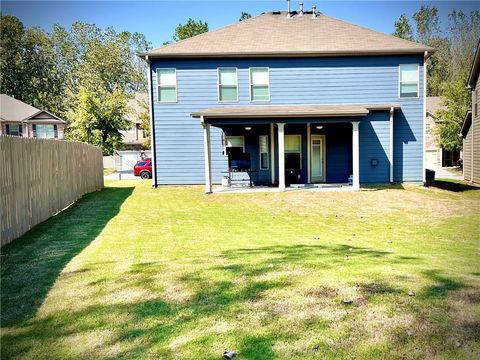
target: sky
157 19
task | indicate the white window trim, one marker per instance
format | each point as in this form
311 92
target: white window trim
250 83
234 136
260 154
158 86
400 83
290 152
218 83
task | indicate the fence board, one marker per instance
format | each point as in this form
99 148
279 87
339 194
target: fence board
40 177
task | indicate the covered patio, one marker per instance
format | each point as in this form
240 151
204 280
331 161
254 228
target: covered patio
313 147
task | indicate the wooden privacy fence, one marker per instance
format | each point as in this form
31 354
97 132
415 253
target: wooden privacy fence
40 177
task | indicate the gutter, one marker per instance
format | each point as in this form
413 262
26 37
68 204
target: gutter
270 54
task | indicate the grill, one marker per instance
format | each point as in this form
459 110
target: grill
238 161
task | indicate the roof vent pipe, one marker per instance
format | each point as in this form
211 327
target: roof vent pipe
301 8
288 9
314 12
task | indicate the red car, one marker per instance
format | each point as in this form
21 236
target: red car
143 168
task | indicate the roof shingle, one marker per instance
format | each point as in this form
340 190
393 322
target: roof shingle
273 34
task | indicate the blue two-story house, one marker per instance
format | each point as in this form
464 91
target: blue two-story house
290 98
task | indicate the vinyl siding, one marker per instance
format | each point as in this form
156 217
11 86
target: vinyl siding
179 138
467 156
475 129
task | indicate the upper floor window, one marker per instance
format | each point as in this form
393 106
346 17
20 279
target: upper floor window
259 84
409 80
227 84
167 85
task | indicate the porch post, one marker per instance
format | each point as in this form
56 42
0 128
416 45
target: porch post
309 170
207 153
356 155
281 157
272 152
390 157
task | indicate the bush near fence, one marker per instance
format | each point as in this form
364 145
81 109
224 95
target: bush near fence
40 177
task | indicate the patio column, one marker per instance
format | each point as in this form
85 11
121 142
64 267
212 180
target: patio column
356 155
207 157
390 157
272 153
281 157
309 155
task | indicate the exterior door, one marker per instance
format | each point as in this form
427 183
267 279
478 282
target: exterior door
317 160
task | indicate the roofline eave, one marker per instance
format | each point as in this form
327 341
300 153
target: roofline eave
149 55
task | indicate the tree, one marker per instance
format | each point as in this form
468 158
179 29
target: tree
144 118
98 118
11 60
427 24
403 29
189 29
26 57
464 33
244 16
457 100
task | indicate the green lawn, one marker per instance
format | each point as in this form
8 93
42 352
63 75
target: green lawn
134 272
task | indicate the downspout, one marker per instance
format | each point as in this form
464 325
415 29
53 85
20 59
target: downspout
424 127
152 125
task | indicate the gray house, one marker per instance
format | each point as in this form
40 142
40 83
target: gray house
289 98
20 119
471 127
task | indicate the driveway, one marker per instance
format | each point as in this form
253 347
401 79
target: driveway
122 175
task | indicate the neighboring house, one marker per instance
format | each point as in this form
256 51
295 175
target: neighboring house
135 137
20 119
471 127
435 156
306 97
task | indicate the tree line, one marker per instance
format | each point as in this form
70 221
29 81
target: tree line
83 74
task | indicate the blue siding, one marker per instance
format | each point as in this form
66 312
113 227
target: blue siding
179 138
374 146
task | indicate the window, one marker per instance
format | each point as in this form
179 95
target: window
167 85
227 84
428 128
263 149
259 84
293 152
235 142
14 129
44 132
408 80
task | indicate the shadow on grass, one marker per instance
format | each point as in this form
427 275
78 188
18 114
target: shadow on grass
442 286
452 185
381 187
217 295
32 263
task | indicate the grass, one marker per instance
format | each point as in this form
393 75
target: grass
134 272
